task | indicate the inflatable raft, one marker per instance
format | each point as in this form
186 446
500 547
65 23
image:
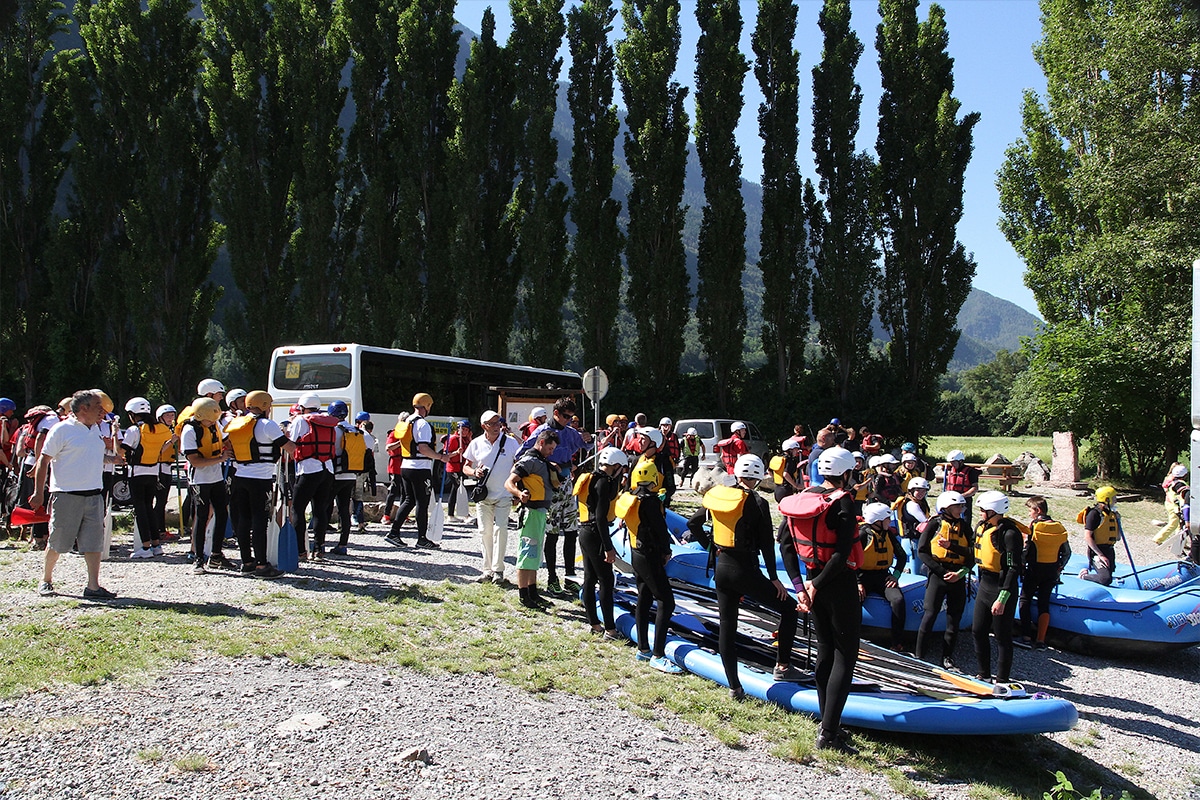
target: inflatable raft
892 692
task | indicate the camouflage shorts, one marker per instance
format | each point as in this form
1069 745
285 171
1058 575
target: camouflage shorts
564 511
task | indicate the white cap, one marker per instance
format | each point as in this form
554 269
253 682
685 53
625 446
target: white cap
665 421
488 416
538 412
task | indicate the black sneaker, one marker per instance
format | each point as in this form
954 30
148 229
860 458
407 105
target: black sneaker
99 593
428 544
248 567
219 561
394 541
738 695
266 572
948 663
835 742
789 674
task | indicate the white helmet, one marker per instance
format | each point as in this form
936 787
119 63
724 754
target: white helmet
956 455
791 444
888 458
835 462
309 400
874 461
165 408
876 512
234 394
653 434
908 457
1179 471
692 432
612 455
749 466
209 386
947 499
918 483
665 421
737 426
138 405
858 454
994 501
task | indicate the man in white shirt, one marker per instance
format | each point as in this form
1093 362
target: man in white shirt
417 473
493 452
76 484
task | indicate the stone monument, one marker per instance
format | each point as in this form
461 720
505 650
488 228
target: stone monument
1064 468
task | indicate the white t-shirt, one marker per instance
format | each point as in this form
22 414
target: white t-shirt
422 432
480 453
266 432
201 476
78 457
915 511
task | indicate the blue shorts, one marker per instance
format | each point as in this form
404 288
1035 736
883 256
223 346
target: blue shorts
533 539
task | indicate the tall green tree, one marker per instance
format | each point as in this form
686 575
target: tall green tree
137 87
538 30
595 258
246 91
484 154
34 128
923 149
841 236
720 307
656 151
1098 198
783 257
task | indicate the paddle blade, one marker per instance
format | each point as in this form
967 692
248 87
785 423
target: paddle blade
30 516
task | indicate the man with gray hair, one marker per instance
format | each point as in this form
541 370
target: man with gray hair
76 484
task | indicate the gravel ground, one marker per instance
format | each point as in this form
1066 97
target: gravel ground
271 728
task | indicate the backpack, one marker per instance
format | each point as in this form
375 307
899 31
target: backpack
404 435
815 540
353 457
29 432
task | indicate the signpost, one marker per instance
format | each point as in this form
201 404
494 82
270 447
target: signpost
595 387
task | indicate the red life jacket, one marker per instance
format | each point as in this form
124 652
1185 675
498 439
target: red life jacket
29 431
317 441
958 480
815 540
730 449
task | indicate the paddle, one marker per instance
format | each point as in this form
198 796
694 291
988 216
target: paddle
1128 553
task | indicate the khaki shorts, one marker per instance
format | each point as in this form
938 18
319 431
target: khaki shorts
76 518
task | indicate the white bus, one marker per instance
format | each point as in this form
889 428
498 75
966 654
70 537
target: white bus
382 382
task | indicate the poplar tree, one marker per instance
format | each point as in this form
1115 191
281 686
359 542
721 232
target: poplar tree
720 308
923 150
595 258
783 257
484 154
841 228
34 129
541 258
656 151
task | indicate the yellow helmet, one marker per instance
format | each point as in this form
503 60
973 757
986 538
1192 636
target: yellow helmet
259 401
422 399
1106 495
105 400
206 410
645 473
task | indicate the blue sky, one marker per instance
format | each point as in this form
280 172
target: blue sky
991 42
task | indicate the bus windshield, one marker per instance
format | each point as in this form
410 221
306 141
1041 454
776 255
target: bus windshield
312 372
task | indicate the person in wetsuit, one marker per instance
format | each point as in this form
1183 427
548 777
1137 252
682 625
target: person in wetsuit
882 565
1046 553
596 512
947 551
999 545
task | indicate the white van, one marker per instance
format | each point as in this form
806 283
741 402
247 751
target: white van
712 431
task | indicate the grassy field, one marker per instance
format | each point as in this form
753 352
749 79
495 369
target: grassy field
980 448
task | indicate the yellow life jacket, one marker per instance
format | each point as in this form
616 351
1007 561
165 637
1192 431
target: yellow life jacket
582 484
878 552
151 440
404 435
725 505
691 449
987 555
183 416
898 513
208 440
353 457
627 508
957 535
1108 531
776 466
246 447
861 492
1048 537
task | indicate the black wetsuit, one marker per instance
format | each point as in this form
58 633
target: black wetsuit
1010 543
738 575
594 542
874 581
1038 581
649 559
938 588
1097 574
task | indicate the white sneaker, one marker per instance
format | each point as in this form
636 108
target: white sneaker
157 550
142 554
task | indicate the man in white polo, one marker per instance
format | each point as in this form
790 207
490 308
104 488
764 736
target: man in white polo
492 452
76 483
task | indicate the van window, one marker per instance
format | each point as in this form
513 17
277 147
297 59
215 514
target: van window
703 429
754 434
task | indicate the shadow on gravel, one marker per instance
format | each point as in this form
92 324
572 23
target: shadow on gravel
201 609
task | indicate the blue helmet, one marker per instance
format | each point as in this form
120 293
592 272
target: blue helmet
362 416
908 447
7 405
339 409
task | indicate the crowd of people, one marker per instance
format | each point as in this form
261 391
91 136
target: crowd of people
855 517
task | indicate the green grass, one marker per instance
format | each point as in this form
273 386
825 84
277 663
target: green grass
456 629
980 448
193 762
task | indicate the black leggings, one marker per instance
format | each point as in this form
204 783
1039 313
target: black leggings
451 487
984 621
1101 576
734 580
141 491
652 584
955 595
343 493
1039 581
214 494
249 497
395 493
550 554
416 495
161 494
592 543
875 582
837 620
313 488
